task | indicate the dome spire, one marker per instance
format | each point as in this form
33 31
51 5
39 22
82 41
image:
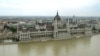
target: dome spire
57 17
57 12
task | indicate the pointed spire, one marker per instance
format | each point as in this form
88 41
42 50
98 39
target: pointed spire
57 17
57 12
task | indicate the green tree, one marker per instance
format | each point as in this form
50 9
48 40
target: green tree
13 29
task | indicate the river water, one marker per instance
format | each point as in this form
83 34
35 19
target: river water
86 46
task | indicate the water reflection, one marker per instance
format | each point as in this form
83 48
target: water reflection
95 45
86 46
8 50
69 47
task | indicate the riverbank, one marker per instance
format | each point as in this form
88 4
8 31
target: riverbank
41 40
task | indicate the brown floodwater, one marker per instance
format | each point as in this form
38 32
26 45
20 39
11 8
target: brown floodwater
85 46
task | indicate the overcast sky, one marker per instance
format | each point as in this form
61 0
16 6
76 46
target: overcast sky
49 7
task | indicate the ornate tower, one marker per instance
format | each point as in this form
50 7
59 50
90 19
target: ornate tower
56 22
57 17
55 29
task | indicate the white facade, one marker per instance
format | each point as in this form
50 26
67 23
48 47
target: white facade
24 36
61 30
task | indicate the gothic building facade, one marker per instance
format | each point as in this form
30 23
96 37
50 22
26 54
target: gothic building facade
55 30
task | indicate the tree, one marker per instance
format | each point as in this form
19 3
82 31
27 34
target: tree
6 26
13 29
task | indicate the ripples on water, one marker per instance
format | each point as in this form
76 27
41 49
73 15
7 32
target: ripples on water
86 46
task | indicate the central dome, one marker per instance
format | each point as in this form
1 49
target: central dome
57 17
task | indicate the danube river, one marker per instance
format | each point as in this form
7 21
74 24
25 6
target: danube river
86 46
